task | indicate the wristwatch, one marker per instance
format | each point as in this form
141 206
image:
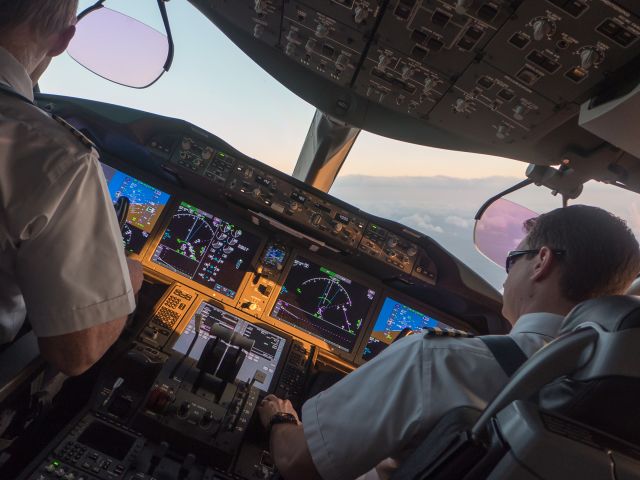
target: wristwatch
281 417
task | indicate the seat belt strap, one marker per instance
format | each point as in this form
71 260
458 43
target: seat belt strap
506 352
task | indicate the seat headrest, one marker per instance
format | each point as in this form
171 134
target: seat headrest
614 313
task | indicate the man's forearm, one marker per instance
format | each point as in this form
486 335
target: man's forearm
291 453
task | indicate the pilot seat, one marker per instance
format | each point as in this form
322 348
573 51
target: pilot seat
571 411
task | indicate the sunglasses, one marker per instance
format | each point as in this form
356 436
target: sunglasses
513 255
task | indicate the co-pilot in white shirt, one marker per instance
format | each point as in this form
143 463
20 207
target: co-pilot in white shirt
61 253
387 406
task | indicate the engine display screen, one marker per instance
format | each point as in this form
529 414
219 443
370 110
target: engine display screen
260 363
206 249
146 206
323 303
393 318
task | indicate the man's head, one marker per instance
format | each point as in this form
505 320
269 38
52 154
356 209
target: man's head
35 31
581 252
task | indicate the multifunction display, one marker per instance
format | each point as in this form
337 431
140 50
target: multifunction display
260 363
323 303
395 317
206 249
146 206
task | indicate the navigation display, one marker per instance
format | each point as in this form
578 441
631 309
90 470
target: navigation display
206 249
260 363
393 318
323 303
146 206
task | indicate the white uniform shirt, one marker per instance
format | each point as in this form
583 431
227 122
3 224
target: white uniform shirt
387 406
61 251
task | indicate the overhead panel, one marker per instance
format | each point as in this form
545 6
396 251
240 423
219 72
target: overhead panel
563 48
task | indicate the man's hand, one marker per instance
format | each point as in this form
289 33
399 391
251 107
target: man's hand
272 405
136 273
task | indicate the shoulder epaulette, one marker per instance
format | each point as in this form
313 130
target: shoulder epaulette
445 332
74 131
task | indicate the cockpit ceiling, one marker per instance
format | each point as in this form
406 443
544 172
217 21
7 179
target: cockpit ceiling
499 77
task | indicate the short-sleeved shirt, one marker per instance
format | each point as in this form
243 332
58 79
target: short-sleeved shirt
61 253
387 406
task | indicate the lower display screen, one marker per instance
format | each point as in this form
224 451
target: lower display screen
394 317
261 362
108 440
323 303
206 249
146 206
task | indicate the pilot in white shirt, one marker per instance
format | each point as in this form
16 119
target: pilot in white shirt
384 409
62 260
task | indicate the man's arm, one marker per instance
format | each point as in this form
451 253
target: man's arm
74 353
288 444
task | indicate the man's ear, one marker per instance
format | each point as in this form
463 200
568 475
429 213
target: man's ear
60 41
542 264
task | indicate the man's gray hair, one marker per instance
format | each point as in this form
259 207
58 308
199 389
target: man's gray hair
45 17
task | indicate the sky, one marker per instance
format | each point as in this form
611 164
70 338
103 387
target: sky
213 85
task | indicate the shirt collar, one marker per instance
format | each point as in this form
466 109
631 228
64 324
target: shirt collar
14 75
542 323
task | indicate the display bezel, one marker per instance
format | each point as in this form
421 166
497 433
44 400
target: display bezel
225 215
348 272
184 321
142 176
411 303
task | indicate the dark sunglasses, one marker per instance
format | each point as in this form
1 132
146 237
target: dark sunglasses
513 255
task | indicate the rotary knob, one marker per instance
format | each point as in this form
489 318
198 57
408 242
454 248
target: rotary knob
207 154
341 61
322 30
542 28
589 57
392 242
460 106
502 132
383 61
360 14
257 193
260 7
428 85
412 251
406 72
310 46
290 49
186 144
518 112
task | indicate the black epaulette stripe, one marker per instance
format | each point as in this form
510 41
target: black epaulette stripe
445 332
74 131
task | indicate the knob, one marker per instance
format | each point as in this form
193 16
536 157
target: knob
542 28
341 61
518 112
406 72
589 57
258 30
260 6
462 6
186 144
183 409
253 307
411 251
337 227
460 105
207 154
294 206
316 218
383 62
290 49
311 44
429 83
392 242
502 132
322 30
292 36
360 14
257 193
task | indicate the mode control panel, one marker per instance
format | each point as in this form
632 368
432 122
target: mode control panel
201 158
389 247
258 187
